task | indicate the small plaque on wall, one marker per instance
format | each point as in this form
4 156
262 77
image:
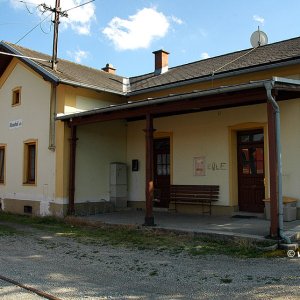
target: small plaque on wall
199 166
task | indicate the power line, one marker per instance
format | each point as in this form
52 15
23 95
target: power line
13 23
26 2
80 5
28 8
57 13
44 30
234 60
33 28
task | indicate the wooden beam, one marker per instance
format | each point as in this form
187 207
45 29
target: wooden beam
149 218
224 100
73 142
273 168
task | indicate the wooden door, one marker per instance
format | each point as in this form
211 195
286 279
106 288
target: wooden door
161 172
251 189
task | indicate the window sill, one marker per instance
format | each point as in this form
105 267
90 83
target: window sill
29 183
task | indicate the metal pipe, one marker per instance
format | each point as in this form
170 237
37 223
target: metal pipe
53 97
269 87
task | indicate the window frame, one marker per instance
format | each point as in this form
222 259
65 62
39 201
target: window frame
27 180
15 91
2 181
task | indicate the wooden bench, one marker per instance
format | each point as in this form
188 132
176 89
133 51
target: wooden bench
202 195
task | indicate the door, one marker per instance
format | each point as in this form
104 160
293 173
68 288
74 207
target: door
161 174
251 189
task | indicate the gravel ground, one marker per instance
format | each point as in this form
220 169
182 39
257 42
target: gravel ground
70 269
9 291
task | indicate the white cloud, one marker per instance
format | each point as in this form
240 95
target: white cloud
79 19
138 31
78 55
259 19
176 20
204 55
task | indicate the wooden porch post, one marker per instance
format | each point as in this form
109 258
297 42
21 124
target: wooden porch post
273 169
149 218
73 140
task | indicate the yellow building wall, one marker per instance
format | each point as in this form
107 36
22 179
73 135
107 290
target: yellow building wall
208 134
290 141
70 100
98 145
80 99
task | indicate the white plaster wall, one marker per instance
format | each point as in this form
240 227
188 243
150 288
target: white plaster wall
98 145
34 112
206 134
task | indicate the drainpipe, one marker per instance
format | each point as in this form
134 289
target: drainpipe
269 86
52 117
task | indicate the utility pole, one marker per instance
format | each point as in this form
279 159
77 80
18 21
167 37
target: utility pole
55 35
57 13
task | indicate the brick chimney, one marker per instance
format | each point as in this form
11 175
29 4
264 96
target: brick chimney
109 69
161 61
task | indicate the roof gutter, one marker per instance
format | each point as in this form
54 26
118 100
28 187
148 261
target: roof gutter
174 98
170 98
28 61
216 76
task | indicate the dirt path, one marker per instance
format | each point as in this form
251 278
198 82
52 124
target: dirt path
74 269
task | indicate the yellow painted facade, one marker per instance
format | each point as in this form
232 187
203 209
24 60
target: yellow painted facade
210 134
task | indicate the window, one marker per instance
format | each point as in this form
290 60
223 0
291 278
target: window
30 162
16 96
2 163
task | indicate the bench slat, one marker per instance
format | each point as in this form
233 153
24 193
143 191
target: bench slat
194 194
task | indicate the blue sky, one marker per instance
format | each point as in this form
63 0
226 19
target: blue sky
125 32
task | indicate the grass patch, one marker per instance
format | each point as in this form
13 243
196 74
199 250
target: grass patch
141 238
30 220
7 230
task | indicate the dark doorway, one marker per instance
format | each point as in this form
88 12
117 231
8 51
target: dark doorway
161 172
251 174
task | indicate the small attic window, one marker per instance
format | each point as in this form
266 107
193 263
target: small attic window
16 96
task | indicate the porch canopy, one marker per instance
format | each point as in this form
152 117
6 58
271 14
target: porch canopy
256 92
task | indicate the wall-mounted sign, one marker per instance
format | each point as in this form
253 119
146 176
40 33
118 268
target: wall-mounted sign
15 124
199 166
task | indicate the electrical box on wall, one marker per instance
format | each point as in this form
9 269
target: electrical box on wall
118 185
134 165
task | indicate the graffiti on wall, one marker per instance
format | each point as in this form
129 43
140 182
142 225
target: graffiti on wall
215 166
